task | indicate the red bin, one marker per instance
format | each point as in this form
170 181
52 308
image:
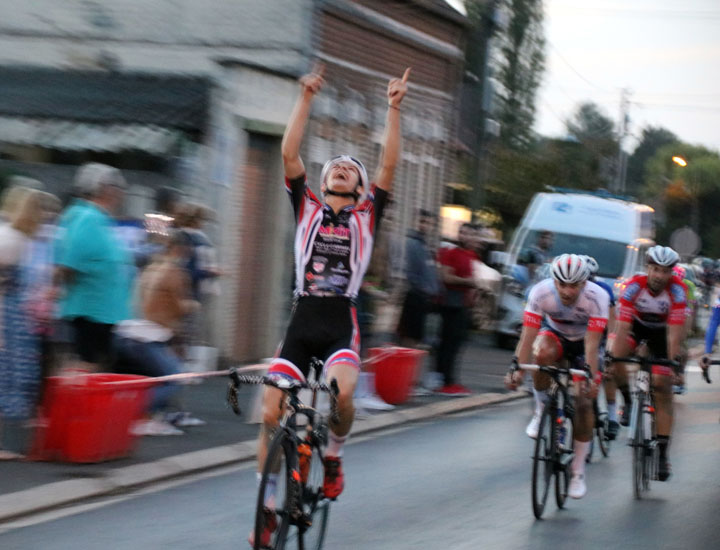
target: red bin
88 418
396 371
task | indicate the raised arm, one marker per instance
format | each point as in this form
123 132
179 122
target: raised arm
310 84
397 88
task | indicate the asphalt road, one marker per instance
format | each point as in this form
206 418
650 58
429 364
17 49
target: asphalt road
459 482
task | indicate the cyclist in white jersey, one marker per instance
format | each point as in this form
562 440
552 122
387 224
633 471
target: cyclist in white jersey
565 318
333 244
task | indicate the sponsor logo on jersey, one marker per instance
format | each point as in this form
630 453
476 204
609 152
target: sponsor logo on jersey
631 291
337 280
678 293
335 232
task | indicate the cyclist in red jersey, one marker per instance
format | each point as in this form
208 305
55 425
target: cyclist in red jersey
333 244
652 308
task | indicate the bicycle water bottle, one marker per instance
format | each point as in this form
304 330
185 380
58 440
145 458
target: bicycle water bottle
647 422
304 456
562 431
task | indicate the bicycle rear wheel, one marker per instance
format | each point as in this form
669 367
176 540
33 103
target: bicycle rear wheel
316 508
275 496
543 466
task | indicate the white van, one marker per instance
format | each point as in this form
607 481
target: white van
614 231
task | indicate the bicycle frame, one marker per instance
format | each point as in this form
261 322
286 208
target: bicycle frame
642 437
291 436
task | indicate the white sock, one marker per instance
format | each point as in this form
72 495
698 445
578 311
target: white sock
541 398
612 411
581 449
335 444
270 488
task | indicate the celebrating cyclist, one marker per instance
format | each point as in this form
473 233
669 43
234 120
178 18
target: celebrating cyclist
653 309
333 244
565 318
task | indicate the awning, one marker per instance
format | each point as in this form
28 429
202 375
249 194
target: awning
70 135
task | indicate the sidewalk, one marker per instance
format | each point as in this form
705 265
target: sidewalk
27 487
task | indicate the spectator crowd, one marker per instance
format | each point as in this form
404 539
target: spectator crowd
76 298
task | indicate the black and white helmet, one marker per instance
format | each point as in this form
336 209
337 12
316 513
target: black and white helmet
592 265
570 268
662 255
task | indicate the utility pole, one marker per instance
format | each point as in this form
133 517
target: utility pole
623 130
484 126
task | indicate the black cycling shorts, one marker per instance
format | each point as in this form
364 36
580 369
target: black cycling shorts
572 350
321 327
656 338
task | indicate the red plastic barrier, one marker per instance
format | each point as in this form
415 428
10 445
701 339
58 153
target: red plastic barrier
396 371
87 418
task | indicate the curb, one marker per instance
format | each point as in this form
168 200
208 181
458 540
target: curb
121 480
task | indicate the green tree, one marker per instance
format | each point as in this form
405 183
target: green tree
520 69
595 131
652 139
689 195
592 127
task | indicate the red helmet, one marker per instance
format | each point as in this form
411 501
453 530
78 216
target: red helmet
679 271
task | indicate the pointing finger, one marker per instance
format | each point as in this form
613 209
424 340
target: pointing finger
318 68
406 75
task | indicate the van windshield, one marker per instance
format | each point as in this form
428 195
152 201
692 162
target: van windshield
610 255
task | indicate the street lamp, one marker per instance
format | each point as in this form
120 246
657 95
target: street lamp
679 161
695 208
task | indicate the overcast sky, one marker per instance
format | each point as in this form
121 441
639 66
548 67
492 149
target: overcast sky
666 52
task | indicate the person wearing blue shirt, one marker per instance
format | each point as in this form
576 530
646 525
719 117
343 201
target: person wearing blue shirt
710 333
93 267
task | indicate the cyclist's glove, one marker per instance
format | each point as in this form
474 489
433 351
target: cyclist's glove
514 365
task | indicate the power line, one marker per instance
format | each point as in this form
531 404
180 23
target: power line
678 107
561 56
673 14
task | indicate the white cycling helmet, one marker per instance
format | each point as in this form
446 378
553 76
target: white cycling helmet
359 195
592 265
570 268
662 255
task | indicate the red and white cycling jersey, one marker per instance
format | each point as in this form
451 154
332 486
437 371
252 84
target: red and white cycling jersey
589 312
637 303
332 251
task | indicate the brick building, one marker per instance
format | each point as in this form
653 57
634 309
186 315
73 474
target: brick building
251 52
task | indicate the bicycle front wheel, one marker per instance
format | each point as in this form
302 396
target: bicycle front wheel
276 495
638 449
316 508
543 466
601 430
563 458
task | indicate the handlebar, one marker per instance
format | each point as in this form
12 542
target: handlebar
284 384
554 370
643 361
706 370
